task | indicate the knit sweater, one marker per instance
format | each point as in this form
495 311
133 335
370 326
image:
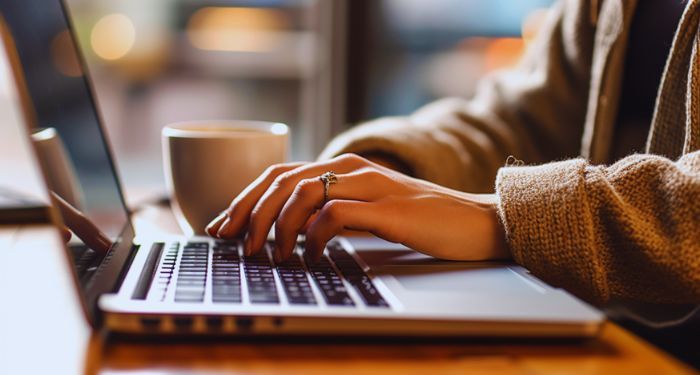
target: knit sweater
627 230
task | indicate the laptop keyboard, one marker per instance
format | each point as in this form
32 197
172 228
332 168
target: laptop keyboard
165 274
295 282
84 260
226 274
356 276
261 276
329 282
192 273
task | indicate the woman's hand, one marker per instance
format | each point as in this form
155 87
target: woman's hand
368 197
85 229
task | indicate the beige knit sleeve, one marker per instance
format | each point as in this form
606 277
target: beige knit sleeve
630 230
534 112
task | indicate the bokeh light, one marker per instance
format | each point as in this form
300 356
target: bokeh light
236 29
113 36
506 52
503 53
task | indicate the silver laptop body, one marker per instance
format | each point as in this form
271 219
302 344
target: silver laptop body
176 285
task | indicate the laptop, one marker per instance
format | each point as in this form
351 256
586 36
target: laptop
202 286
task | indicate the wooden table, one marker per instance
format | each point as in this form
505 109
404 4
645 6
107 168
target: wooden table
42 331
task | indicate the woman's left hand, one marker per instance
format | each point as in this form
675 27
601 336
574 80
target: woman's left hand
432 219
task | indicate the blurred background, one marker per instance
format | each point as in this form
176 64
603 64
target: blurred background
316 65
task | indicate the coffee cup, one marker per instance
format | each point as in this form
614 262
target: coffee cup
208 163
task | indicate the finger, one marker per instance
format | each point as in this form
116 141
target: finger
310 220
238 212
268 207
215 224
308 197
94 238
338 215
65 233
85 229
88 232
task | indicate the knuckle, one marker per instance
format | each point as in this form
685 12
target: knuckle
371 174
351 159
305 189
283 179
254 221
274 170
333 211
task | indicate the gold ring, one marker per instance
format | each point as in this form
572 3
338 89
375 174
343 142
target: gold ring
328 179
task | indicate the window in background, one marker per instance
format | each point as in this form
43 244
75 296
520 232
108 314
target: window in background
161 61
406 53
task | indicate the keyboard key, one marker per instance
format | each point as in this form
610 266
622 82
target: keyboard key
189 298
356 276
192 272
197 245
330 283
165 273
83 259
260 278
295 283
226 276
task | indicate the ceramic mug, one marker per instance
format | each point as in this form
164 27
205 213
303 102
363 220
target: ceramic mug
208 163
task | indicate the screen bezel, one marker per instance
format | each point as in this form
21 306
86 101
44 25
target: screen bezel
113 265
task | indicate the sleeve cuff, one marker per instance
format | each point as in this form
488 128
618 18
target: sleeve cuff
549 226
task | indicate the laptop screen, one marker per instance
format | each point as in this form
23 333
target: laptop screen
69 136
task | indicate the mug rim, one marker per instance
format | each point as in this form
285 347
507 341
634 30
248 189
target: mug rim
223 129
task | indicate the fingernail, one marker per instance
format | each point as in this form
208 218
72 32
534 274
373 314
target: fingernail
223 228
219 218
214 222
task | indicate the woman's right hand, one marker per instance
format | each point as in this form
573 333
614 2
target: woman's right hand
368 197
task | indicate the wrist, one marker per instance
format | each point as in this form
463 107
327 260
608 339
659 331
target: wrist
498 245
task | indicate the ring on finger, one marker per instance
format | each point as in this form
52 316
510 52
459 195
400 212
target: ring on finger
329 178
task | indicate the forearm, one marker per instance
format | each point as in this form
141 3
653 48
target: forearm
602 231
534 111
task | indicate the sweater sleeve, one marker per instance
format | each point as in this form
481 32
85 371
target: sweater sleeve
630 230
534 112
